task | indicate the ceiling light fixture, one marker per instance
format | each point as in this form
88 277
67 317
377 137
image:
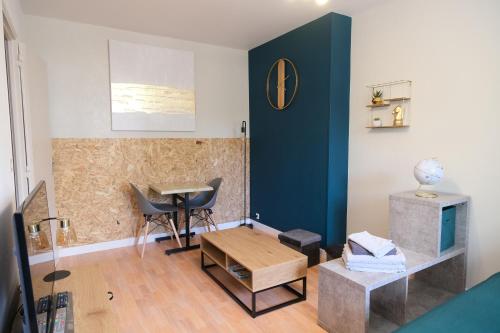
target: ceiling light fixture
321 2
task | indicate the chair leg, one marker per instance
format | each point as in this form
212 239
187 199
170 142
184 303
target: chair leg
204 220
138 234
211 221
174 231
191 224
144 241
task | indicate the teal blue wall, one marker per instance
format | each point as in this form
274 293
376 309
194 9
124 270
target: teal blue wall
298 164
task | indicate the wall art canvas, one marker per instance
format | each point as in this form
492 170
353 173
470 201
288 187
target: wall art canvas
152 88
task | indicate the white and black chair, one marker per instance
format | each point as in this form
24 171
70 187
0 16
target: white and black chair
159 214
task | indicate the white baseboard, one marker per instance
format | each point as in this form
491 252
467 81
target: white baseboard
116 244
82 249
266 229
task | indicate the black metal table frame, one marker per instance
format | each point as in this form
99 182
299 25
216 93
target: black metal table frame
253 311
187 212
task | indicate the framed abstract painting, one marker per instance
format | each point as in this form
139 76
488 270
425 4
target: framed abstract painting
152 88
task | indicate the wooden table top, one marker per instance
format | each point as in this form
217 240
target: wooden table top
252 249
175 188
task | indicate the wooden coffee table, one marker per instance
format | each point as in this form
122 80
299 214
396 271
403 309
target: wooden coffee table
269 263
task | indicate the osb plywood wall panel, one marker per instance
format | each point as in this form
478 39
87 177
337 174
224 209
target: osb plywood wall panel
92 179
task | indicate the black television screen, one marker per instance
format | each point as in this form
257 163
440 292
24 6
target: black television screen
35 255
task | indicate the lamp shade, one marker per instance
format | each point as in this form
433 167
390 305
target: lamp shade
66 235
37 241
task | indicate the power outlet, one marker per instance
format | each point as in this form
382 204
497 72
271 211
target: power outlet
257 216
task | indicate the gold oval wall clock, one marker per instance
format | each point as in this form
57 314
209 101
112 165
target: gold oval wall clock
286 84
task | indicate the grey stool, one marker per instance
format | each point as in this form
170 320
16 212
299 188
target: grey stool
159 210
303 241
201 205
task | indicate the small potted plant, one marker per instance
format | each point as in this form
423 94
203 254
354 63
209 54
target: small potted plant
377 122
377 97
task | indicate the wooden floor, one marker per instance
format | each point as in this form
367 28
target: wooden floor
171 294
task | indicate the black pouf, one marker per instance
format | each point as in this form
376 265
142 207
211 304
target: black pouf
303 241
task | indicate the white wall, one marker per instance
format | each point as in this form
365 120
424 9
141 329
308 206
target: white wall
38 106
451 51
77 62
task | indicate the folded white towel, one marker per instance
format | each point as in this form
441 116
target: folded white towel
397 259
378 246
372 267
388 266
392 269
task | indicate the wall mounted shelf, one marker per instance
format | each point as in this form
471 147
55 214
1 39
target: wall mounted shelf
394 94
378 105
388 126
395 99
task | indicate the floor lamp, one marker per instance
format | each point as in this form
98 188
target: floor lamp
244 134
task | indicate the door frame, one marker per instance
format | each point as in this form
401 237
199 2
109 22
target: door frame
19 111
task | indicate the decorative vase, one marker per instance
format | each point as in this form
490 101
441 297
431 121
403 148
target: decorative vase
377 123
378 100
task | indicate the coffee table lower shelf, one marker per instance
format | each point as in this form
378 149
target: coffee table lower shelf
253 311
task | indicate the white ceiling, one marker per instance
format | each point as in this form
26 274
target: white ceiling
241 24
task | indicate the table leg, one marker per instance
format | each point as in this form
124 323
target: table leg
164 238
343 306
188 245
176 219
187 213
389 301
176 223
253 305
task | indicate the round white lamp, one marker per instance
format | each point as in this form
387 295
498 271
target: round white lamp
428 172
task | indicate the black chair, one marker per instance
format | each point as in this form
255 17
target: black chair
201 205
153 212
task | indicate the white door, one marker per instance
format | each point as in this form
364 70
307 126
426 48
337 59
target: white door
20 120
